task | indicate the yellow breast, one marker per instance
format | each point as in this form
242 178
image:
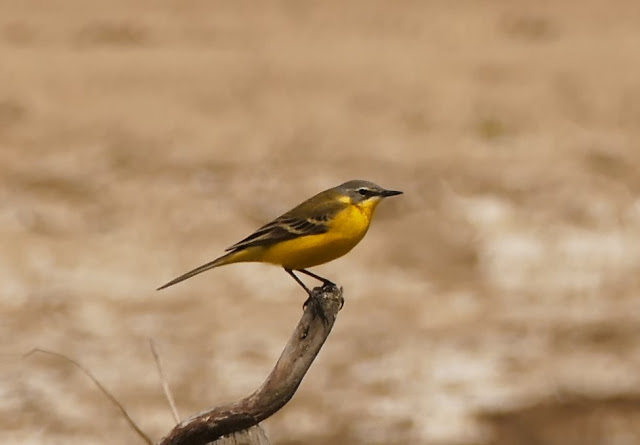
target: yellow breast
345 231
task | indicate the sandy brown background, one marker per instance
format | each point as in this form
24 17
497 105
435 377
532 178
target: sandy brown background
497 302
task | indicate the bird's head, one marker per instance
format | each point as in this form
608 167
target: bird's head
364 194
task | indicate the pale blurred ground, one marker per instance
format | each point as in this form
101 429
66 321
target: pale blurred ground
497 302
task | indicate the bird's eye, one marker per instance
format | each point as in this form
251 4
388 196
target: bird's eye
364 192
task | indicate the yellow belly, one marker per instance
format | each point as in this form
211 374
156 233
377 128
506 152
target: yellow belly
347 229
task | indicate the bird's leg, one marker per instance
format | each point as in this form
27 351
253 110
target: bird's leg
299 281
318 277
325 282
317 310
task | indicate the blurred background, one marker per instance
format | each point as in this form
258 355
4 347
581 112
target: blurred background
496 302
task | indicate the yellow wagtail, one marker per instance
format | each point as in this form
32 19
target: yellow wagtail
319 230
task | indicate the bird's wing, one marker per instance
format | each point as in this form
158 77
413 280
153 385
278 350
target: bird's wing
309 218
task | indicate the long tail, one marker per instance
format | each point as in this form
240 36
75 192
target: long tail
230 257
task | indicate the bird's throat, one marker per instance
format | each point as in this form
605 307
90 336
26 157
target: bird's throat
367 207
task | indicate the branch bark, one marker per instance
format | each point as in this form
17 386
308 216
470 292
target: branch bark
313 329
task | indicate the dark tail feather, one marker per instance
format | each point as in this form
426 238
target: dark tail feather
215 263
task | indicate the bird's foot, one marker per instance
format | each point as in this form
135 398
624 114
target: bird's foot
330 287
317 294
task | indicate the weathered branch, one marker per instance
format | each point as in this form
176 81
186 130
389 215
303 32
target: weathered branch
303 346
251 436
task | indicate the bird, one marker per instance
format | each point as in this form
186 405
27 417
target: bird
321 229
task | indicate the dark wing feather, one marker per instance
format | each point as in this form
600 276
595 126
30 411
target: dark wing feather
293 225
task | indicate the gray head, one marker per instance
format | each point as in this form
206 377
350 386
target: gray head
359 191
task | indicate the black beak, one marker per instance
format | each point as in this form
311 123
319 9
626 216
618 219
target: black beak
387 193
